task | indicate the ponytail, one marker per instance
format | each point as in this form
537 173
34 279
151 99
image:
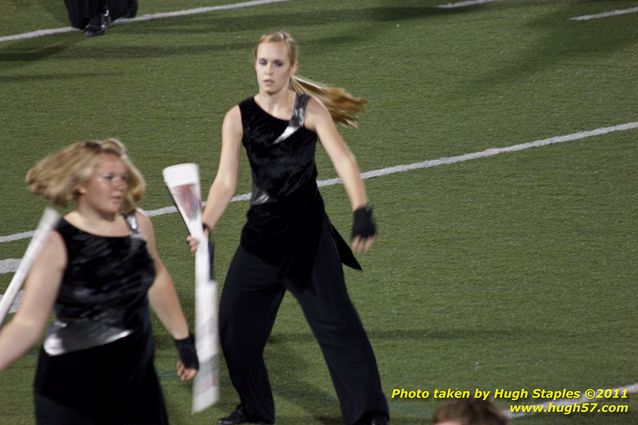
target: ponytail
343 106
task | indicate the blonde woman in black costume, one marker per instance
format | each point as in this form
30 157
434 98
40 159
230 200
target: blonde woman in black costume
288 242
99 270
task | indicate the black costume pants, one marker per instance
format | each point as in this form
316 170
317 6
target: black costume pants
111 384
81 11
250 300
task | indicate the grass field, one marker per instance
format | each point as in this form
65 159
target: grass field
515 271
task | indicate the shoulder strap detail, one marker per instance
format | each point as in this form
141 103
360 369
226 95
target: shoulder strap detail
297 119
133 225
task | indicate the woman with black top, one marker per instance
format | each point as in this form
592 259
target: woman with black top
99 270
288 242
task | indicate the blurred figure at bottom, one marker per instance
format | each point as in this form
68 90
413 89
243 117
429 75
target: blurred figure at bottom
468 411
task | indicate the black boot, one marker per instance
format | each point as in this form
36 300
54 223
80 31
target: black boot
98 24
237 417
374 419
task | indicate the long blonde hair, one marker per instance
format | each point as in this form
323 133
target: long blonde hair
343 106
58 176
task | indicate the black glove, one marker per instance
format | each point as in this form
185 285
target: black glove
187 352
362 223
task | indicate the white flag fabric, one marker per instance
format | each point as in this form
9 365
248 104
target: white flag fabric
182 181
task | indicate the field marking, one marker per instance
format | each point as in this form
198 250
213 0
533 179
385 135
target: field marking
606 14
143 18
409 167
464 4
631 389
9 265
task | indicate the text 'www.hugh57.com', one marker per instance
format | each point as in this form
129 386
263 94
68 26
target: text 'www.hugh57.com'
560 401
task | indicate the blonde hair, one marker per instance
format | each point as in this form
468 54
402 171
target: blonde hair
470 411
57 176
343 106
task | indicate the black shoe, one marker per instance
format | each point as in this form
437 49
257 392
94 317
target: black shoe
131 8
98 24
374 420
237 417
107 17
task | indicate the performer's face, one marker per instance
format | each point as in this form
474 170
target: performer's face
273 67
105 191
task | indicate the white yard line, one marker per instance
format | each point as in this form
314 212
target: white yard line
496 151
9 265
464 4
606 14
36 34
143 18
414 166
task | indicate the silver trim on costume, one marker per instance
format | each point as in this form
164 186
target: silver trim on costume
66 337
297 119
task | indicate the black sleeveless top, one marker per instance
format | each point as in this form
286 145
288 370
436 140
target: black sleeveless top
106 279
287 214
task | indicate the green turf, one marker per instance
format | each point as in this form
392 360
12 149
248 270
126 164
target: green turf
514 271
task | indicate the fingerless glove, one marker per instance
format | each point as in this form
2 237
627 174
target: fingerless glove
187 352
362 223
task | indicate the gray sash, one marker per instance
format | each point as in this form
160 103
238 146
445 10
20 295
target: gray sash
74 335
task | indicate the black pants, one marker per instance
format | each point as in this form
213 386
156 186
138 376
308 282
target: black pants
112 384
81 11
250 301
